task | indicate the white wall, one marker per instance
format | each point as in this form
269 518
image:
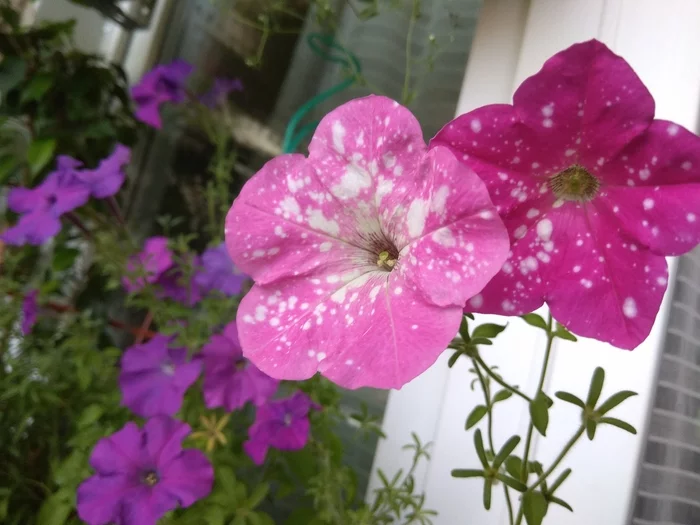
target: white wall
661 41
90 25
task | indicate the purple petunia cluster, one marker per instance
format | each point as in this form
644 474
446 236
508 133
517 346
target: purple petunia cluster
69 187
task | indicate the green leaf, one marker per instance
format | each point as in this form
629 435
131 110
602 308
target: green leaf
488 483
470 316
10 16
501 395
590 429
258 495
570 398
36 88
539 414
479 445
560 502
476 415
8 165
512 483
90 415
467 473
557 483
614 400
596 387
464 330
64 258
453 358
12 71
619 424
534 507
562 333
535 320
212 515
40 153
506 449
56 509
481 341
514 466
488 330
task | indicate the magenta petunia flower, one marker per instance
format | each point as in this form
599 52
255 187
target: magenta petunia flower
154 377
164 83
154 260
107 178
140 474
220 90
230 380
30 311
218 273
42 207
282 424
364 254
593 190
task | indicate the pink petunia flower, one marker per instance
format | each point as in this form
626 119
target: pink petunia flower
230 380
594 193
282 424
153 261
140 474
364 254
154 378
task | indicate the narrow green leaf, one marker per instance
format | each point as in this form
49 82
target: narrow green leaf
40 153
560 502
534 507
488 483
91 414
539 414
570 398
514 466
467 473
453 358
596 387
258 495
470 316
535 320
476 415
506 449
464 329
619 424
549 400
64 258
56 509
562 333
36 88
590 429
12 71
512 483
479 445
501 395
614 400
488 330
8 165
557 483
481 341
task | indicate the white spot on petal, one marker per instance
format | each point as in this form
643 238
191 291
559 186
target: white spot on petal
629 308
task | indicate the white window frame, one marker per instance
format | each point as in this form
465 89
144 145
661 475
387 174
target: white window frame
513 39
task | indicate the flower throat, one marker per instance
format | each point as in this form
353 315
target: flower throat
575 183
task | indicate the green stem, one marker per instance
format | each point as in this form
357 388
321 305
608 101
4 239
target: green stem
540 385
567 448
415 11
500 381
508 504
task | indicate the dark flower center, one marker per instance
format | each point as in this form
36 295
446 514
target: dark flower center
52 200
149 478
383 252
240 364
575 183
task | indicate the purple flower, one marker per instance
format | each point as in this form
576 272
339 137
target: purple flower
154 378
220 90
108 177
164 83
219 273
282 424
42 207
140 474
153 261
172 285
30 310
230 380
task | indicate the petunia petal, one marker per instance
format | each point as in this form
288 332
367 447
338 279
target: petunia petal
99 498
118 453
256 450
164 437
375 330
188 477
145 506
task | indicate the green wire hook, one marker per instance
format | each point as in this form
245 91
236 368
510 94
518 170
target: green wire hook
325 47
